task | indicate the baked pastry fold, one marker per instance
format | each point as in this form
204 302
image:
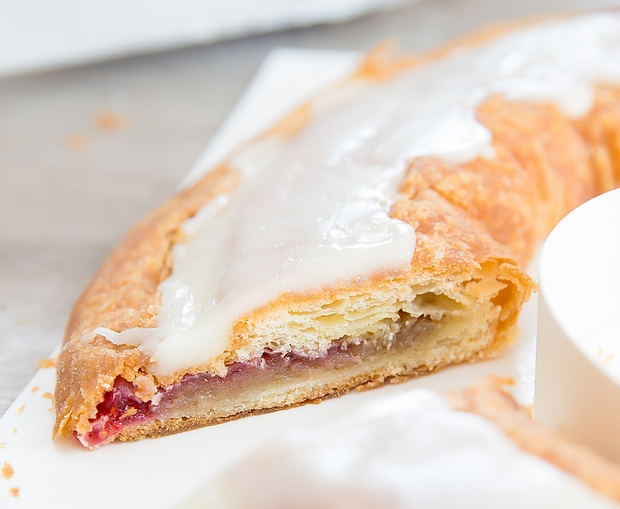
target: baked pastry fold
476 223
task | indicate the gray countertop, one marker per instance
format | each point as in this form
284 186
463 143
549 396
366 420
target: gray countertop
85 152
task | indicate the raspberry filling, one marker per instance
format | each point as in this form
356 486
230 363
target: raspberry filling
121 406
202 393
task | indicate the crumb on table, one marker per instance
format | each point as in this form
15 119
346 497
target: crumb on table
46 363
109 120
15 491
7 470
77 142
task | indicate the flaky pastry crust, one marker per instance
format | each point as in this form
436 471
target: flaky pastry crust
476 225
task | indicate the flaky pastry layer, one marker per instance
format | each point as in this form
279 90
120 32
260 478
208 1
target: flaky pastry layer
476 224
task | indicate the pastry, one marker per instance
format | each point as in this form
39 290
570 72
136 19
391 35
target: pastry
378 232
417 448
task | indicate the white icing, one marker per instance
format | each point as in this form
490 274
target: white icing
132 337
409 450
314 210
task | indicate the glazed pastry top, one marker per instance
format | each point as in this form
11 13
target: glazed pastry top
312 210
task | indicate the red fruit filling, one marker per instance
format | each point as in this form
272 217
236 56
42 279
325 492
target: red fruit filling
121 407
201 394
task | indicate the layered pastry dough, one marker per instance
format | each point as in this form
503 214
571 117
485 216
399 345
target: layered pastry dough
379 232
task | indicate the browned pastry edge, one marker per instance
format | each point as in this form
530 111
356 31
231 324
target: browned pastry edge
487 399
554 164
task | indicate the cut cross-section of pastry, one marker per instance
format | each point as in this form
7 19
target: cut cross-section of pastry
377 232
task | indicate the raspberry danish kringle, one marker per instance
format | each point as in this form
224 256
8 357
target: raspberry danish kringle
380 231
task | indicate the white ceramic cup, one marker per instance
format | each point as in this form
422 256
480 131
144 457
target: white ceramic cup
578 350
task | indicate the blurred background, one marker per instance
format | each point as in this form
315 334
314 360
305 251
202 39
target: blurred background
104 107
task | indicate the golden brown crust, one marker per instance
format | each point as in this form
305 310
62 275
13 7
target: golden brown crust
466 217
541 171
601 131
121 295
488 400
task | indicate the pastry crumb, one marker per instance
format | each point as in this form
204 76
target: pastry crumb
129 413
109 121
15 491
399 379
7 470
77 142
46 363
47 395
368 386
21 409
2 445
606 358
35 388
